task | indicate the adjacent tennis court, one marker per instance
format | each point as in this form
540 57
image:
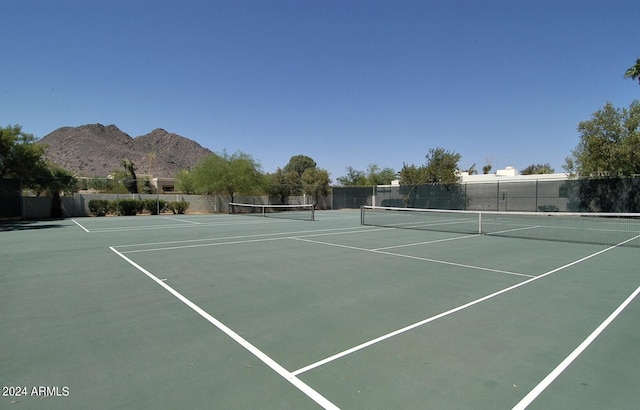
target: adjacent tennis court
235 311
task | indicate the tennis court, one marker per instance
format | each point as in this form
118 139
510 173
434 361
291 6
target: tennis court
241 311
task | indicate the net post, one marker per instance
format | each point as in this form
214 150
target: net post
361 214
480 223
313 213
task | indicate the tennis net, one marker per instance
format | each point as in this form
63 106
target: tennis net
302 212
593 228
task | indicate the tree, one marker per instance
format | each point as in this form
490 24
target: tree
373 176
377 176
100 184
354 177
209 175
295 168
442 167
282 184
131 181
412 175
56 180
538 169
315 182
609 143
299 164
20 156
300 175
634 71
186 181
472 170
230 175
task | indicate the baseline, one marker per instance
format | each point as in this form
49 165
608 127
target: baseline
280 235
184 224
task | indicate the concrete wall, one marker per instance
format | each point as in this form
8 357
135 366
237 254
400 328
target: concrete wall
77 205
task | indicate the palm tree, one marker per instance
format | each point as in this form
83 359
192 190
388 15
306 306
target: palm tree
634 71
57 180
472 170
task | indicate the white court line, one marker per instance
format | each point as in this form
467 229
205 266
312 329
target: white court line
202 245
427 242
235 237
536 391
284 373
460 265
173 226
140 228
448 312
80 225
513 230
182 220
352 230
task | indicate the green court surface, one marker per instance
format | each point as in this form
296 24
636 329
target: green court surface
242 312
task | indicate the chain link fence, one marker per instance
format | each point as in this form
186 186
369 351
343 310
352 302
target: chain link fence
579 195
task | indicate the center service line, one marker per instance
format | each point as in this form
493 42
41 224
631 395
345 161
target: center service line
449 312
400 255
284 373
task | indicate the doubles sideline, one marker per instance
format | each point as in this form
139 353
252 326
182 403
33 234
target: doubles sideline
292 377
284 373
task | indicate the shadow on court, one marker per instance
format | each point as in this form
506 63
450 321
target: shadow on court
8 226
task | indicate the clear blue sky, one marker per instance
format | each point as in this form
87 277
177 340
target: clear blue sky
346 82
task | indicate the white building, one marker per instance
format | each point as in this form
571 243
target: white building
510 174
164 185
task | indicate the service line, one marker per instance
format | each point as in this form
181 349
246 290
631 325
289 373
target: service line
400 255
450 312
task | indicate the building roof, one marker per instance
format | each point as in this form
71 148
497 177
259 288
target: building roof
512 175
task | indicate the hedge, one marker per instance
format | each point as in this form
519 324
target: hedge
153 206
127 206
178 207
101 207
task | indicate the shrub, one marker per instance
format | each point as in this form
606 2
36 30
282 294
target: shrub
128 206
178 207
99 207
548 208
153 205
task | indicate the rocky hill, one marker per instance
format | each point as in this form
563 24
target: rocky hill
96 150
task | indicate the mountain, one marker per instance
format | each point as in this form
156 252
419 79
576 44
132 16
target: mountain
96 150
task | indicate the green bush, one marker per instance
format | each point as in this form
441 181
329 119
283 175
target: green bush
178 207
99 207
153 205
548 208
128 206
